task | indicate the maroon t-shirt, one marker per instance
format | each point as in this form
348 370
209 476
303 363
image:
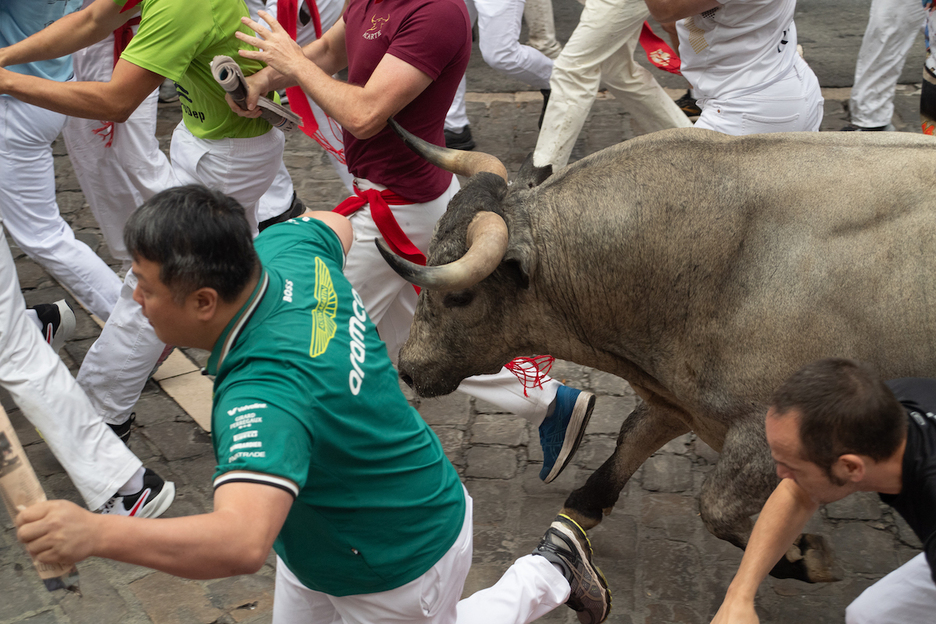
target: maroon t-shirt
433 36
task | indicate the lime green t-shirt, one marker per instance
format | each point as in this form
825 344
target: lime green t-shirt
178 39
306 400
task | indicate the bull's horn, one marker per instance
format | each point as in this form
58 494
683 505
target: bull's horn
455 161
487 243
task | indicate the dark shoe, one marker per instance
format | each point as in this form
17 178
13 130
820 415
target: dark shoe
123 429
296 208
853 128
566 545
459 140
58 323
562 431
545 92
688 105
150 502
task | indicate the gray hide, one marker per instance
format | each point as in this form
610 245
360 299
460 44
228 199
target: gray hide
703 269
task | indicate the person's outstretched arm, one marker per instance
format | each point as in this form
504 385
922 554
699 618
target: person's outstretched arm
781 520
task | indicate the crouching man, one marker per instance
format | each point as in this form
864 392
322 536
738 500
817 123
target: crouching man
319 454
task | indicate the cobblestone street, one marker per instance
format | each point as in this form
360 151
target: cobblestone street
661 563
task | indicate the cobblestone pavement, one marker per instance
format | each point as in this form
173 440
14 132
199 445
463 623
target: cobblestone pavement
661 563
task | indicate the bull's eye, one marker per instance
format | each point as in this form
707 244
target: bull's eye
458 299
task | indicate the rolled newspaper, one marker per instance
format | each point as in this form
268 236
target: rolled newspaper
19 487
229 75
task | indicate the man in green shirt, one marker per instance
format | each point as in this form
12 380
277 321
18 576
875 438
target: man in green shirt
319 454
212 146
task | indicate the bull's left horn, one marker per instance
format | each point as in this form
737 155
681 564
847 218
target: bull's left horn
487 243
454 161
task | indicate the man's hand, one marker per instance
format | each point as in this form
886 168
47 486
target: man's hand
277 49
734 612
57 531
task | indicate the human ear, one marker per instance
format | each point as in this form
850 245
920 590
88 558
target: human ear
850 467
205 302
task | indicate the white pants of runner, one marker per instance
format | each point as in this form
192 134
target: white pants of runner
601 51
120 361
31 214
905 596
391 301
499 24
116 179
793 104
531 588
95 459
892 29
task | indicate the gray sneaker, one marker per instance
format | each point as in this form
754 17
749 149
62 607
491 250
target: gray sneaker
566 545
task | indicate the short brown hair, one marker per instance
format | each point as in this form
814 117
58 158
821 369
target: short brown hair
844 407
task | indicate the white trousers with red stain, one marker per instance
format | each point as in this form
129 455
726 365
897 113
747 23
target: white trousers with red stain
391 301
531 588
95 459
31 214
120 361
115 179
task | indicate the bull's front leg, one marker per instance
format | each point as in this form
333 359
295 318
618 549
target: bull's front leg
652 424
743 478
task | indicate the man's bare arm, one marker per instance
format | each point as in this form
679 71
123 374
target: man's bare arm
672 10
363 111
110 101
781 520
233 539
67 35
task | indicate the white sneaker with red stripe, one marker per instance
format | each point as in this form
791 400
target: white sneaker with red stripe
150 502
58 322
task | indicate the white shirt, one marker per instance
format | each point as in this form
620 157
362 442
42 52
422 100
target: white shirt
738 48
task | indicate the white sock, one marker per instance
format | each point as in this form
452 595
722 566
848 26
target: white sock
134 485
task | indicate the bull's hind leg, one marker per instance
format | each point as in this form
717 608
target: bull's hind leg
649 427
743 479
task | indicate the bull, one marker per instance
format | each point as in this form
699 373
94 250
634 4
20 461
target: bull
701 268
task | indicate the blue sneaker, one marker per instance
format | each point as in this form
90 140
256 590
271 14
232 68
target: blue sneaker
562 431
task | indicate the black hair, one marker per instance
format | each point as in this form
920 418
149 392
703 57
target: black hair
200 238
844 407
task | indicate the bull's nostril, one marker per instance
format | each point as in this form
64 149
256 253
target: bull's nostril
407 379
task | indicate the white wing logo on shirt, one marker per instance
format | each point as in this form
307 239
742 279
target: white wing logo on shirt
323 316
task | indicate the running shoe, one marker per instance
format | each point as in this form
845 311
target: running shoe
853 128
150 502
459 140
123 429
58 323
562 431
688 105
566 545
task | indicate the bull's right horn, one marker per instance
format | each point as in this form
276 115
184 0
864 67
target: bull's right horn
455 161
487 243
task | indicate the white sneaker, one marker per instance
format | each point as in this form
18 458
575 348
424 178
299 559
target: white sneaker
150 502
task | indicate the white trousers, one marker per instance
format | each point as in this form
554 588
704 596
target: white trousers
391 301
31 214
892 29
115 179
601 51
120 361
499 23
95 459
529 589
905 596
793 104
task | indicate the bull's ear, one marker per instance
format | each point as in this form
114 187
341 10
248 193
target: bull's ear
530 176
520 258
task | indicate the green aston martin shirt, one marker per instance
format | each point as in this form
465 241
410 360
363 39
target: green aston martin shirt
178 39
306 399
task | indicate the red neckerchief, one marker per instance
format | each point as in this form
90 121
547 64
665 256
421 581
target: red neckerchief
130 4
658 52
287 12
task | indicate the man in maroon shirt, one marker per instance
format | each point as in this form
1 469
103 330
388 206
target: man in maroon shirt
404 59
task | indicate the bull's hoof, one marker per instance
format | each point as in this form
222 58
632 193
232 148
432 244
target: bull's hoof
586 522
809 560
